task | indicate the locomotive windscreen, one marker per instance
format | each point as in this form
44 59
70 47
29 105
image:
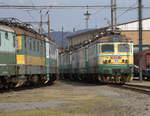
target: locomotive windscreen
123 48
107 48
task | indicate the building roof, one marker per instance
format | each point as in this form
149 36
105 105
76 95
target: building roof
82 32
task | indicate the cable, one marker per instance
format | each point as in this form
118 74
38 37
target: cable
58 7
129 9
30 14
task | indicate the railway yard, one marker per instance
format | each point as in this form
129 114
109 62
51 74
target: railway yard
67 98
100 71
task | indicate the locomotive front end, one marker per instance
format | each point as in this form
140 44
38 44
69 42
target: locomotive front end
115 61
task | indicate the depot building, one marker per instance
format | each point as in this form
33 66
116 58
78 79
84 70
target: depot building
130 29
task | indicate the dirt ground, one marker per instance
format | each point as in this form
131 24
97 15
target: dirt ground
65 98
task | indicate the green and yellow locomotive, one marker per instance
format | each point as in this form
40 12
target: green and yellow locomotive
108 58
115 58
27 57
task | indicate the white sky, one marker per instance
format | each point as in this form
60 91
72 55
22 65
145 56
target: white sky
72 18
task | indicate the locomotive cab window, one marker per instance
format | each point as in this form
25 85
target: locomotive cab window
0 40
107 48
14 41
123 48
6 35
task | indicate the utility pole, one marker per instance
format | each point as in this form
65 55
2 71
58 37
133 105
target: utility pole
48 23
140 39
62 39
87 17
112 14
115 12
40 29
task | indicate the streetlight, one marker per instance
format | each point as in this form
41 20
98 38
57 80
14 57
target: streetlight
87 16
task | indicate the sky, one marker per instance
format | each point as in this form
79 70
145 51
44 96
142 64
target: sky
73 18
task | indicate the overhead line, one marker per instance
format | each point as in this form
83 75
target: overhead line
130 7
59 7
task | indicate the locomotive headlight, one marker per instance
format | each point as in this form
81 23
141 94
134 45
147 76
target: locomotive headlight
105 61
123 60
109 61
126 61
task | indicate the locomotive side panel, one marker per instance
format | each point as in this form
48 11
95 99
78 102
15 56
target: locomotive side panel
53 59
31 60
75 62
8 67
48 61
30 55
92 59
82 61
7 52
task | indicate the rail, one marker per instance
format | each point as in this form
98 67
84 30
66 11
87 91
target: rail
136 88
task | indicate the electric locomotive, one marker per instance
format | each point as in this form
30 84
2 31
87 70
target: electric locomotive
107 58
115 58
27 57
7 56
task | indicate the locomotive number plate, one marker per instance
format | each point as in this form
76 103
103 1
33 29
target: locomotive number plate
116 60
116 57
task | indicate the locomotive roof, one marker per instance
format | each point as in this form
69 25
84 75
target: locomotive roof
50 41
19 31
114 38
6 28
21 28
105 36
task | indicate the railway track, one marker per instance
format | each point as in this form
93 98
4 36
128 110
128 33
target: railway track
23 88
137 88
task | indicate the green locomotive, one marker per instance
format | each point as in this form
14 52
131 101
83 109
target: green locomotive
107 58
27 57
7 56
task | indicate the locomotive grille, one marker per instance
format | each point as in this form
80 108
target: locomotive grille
116 71
105 71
